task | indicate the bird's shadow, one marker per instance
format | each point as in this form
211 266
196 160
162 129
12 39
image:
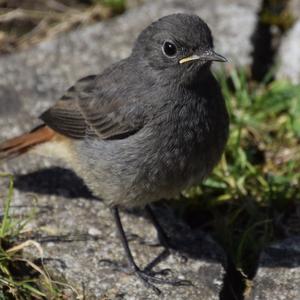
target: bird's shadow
54 181
65 183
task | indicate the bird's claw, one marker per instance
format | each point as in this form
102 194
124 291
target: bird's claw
149 279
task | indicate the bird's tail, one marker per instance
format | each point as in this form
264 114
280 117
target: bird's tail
21 144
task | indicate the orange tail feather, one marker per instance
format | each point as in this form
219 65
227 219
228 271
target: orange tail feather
21 144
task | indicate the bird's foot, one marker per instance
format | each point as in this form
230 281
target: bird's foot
148 277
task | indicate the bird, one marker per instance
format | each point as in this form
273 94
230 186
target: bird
147 127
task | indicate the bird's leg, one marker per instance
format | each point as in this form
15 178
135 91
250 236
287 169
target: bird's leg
146 276
162 236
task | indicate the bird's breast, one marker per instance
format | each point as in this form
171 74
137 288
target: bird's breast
190 141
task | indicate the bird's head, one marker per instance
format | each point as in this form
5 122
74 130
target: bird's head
178 46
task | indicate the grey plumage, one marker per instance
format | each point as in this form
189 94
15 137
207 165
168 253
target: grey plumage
147 127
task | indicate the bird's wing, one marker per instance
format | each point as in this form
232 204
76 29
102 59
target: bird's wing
83 111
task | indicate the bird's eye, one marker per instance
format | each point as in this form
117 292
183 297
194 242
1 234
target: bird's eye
169 49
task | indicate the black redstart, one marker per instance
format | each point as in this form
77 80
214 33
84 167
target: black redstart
149 126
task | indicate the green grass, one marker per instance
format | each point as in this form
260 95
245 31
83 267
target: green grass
247 201
22 278
117 6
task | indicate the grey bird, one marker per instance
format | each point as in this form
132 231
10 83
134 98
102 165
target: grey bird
146 128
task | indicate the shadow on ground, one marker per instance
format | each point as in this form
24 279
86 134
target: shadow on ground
65 183
54 181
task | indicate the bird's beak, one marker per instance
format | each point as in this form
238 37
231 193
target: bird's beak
209 55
